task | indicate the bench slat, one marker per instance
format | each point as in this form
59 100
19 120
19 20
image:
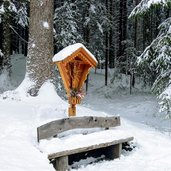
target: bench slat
58 126
92 147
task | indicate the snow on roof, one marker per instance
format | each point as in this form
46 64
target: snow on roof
67 51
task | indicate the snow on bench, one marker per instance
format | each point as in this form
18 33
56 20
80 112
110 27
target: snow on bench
61 150
55 127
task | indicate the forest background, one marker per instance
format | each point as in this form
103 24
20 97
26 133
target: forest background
132 37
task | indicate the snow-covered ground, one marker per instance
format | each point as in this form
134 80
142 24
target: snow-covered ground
140 106
21 114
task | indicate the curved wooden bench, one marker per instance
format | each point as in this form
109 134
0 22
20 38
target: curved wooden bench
110 147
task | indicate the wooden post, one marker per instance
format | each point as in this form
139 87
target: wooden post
73 100
114 151
72 110
62 163
117 150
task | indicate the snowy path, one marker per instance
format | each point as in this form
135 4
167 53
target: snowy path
142 109
138 107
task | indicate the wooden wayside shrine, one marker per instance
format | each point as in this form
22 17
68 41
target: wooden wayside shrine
74 63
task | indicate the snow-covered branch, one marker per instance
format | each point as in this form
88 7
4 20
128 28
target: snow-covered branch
145 5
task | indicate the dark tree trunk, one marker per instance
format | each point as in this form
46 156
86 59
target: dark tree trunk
146 31
122 27
135 26
86 35
144 34
111 48
86 29
151 25
107 46
1 38
26 41
6 45
1 58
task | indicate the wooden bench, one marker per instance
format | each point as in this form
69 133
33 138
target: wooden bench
111 147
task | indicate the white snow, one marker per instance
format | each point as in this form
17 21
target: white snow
12 7
18 150
151 2
144 5
21 114
1 54
149 154
100 27
41 2
46 24
79 140
93 8
67 51
33 45
2 9
169 31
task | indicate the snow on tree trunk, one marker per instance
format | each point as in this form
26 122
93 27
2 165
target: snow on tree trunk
40 46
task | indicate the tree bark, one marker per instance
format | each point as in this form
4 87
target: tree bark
40 45
86 35
6 45
135 26
107 43
122 26
111 48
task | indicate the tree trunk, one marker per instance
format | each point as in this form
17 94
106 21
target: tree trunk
26 42
123 27
6 45
86 35
1 38
1 58
111 48
40 46
107 47
135 26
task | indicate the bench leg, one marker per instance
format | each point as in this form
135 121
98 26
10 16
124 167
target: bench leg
117 150
62 163
113 151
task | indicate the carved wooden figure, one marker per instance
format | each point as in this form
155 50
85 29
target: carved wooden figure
74 63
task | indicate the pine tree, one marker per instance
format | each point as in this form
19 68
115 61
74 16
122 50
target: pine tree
7 8
156 58
95 23
81 21
11 11
66 25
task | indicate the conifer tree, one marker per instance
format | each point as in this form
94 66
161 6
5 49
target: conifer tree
156 58
66 21
11 11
